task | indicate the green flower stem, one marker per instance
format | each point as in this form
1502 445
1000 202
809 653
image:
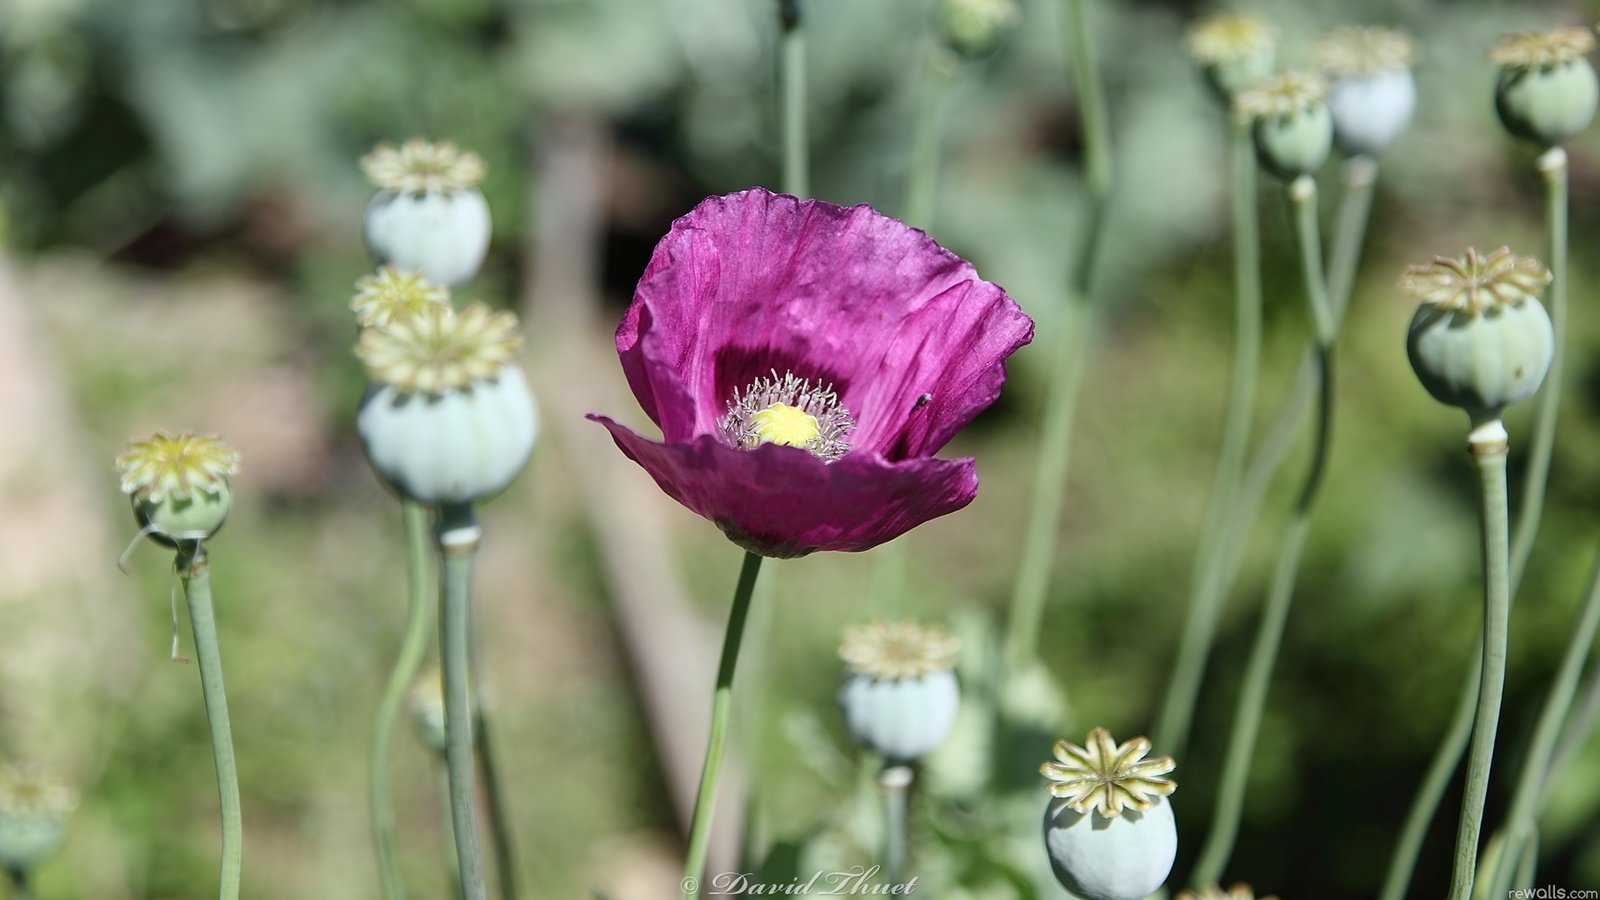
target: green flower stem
1205 584
1577 733
894 783
452 866
458 545
505 862
1269 636
194 569
1553 169
922 177
19 884
1526 870
1488 445
1357 176
1077 321
1530 784
721 702
796 166
413 646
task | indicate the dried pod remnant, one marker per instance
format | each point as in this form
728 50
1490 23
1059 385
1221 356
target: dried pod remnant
449 417
1373 94
900 694
1546 91
1232 51
1480 340
179 485
1289 119
428 215
1109 831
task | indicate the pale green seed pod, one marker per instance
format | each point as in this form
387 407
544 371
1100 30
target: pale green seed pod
1481 340
1546 91
1289 121
1109 831
1233 52
1373 94
34 808
449 417
179 486
428 215
972 28
900 696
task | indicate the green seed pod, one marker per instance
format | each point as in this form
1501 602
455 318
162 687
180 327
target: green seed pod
1546 91
179 485
1233 51
1109 831
1373 94
900 695
449 417
33 817
1289 121
1481 340
972 28
428 215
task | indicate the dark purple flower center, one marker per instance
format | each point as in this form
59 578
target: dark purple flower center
789 411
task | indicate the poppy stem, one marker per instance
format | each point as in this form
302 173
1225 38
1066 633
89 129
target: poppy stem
505 862
894 783
1525 803
194 569
1553 169
413 646
1077 320
1206 589
717 744
458 538
1487 443
922 176
452 865
19 883
796 166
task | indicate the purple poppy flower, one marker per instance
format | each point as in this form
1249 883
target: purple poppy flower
804 362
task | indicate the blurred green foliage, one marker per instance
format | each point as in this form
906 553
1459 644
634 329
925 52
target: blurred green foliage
155 151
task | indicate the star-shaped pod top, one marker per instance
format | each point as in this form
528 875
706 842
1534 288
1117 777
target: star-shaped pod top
804 362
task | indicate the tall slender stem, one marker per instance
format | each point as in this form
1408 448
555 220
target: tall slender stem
458 545
717 744
1530 784
1269 636
1553 170
922 176
19 884
1488 445
413 646
451 863
1073 327
194 568
1205 583
505 860
894 783
796 149
1575 735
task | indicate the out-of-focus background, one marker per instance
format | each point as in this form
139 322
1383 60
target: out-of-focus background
180 214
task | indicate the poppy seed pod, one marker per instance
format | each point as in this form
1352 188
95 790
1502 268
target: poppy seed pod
973 27
1373 95
900 695
1546 91
1289 121
1233 51
33 817
1481 340
428 215
1109 831
179 485
449 417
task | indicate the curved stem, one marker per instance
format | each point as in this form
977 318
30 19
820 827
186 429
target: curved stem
195 571
1269 636
1205 583
458 545
1553 169
505 861
1073 328
1530 784
894 783
1489 452
796 166
413 646
717 744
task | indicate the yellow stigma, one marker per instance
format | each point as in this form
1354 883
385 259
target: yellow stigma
783 424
